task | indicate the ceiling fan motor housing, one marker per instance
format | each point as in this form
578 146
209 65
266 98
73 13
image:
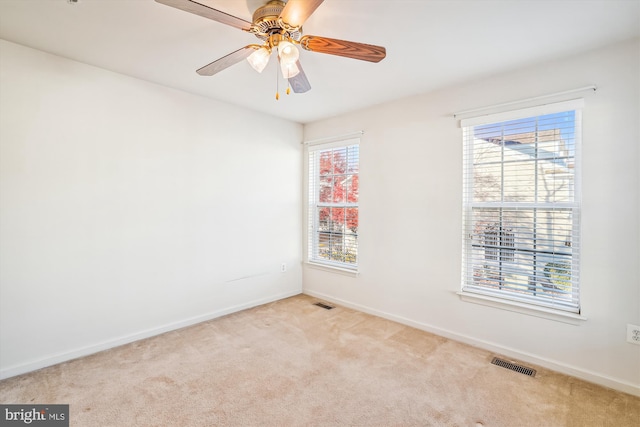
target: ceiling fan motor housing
266 22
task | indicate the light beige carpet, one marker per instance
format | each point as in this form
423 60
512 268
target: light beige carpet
291 363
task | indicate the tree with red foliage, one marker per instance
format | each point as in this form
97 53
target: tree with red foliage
339 184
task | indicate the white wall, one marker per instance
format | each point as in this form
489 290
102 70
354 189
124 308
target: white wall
128 209
410 223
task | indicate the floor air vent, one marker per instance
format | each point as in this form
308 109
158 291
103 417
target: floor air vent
323 305
514 367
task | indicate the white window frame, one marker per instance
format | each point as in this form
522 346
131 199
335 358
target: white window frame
498 297
312 174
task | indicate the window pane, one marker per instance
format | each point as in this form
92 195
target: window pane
353 189
337 219
351 248
324 219
325 163
352 220
326 189
353 160
339 189
339 161
487 185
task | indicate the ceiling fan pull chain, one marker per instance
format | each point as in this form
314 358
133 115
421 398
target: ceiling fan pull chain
277 85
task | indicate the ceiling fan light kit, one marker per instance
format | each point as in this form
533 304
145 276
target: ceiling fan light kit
289 70
279 25
260 58
287 52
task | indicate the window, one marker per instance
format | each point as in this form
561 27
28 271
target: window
521 206
333 204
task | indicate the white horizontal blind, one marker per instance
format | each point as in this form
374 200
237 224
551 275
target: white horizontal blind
333 203
521 208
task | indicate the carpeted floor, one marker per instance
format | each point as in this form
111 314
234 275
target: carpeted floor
290 363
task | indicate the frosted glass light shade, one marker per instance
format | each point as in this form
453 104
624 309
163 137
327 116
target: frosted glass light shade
288 52
289 70
259 59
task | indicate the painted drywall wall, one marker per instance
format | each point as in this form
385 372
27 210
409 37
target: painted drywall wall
411 216
128 209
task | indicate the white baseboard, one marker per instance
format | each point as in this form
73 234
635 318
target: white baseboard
560 367
105 345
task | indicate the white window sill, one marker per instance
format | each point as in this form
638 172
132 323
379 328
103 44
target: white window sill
523 308
333 269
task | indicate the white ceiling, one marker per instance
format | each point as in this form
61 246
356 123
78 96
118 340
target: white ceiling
430 44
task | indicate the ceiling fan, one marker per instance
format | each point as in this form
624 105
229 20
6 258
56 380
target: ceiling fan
278 25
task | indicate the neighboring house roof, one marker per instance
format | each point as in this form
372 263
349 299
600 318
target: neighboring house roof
524 143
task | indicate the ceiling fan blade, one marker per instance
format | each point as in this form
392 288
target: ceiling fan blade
362 51
226 61
297 11
299 82
208 12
